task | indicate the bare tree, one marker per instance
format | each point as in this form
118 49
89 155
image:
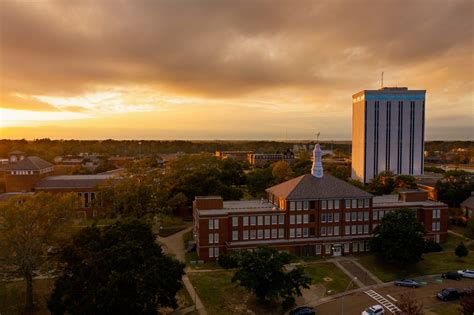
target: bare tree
467 305
409 305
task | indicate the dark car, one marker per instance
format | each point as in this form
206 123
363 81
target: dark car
449 294
407 283
303 310
454 275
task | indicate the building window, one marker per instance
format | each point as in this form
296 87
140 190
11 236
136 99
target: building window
298 206
267 233
360 203
292 233
347 204
245 234
354 229
324 204
216 251
437 238
348 217
366 215
216 224
336 217
329 217
366 203
252 220
260 234
267 220
235 235
305 218
318 249
235 221
323 218
292 219
366 229
305 205
323 231
253 235
435 226
305 232
336 230
360 216
336 204
281 233
375 215
211 252
274 219
298 232
354 203
359 229
355 247
329 230
292 205
211 238
274 233
354 216
246 221
436 213
281 219
260 220
346 247
347 230
330 204
213 224
298 219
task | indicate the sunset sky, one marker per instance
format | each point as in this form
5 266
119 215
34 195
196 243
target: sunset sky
227 69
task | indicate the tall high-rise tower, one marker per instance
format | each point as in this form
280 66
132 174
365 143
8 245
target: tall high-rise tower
388 132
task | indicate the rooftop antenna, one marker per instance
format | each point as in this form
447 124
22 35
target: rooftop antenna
317 136
381 83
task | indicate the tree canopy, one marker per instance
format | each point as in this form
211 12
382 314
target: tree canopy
30 227
461 250
455 187
398 240
117 270
264 273
387 182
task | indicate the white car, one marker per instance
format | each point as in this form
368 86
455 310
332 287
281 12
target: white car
466 273
374 310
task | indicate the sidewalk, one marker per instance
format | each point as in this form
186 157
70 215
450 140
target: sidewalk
352 268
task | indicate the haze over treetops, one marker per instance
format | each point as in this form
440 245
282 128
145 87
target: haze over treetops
227 70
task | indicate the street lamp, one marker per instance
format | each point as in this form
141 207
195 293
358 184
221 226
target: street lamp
342 300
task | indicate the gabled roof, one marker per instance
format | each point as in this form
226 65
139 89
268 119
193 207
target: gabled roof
468 203
309 187
73 181
30 163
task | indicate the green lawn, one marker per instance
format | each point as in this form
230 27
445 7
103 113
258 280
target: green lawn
12 296
433 263
452 242
319 271
220 296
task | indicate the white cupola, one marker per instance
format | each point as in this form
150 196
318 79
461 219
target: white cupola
317 169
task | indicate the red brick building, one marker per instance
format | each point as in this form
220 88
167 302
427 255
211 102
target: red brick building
310 215
22 174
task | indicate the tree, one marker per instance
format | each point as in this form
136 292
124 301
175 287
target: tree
382 184
263 273
405 182
461 250
259 180
409 305
30 227
117 270
398 240
455 187
282 171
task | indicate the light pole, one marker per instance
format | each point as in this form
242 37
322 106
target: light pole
195 302
342 300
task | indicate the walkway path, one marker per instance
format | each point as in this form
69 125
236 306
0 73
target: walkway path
173 244
352 268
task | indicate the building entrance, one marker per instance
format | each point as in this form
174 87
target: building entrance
336 250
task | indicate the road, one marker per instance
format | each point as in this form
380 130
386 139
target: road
355 303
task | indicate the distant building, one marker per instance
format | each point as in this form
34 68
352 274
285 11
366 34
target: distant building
387 132
467 206
22 173
236 155
312 215
260 159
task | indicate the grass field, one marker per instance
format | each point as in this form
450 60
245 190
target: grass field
433 263
12 296
319 271
452 242
221 297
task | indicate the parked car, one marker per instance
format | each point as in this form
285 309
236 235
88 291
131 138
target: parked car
303 310
466 273
407 283
449 294
374 310
454 275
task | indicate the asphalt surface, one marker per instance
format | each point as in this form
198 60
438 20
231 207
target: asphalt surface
355 303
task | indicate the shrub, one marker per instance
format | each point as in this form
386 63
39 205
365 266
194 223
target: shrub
431 246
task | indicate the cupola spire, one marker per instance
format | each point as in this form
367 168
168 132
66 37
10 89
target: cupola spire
317 169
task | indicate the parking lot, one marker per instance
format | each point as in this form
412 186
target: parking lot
355 303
